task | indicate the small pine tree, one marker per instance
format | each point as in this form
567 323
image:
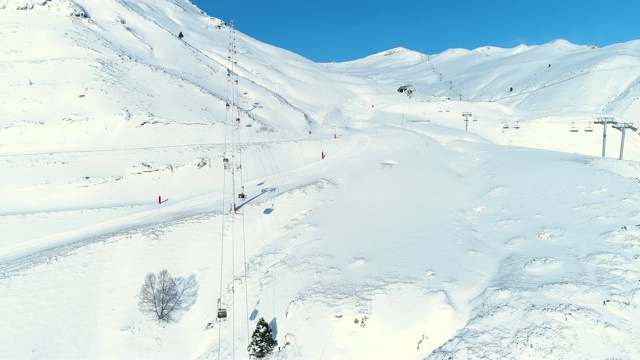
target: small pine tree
262 341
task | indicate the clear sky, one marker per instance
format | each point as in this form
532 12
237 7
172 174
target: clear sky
343 30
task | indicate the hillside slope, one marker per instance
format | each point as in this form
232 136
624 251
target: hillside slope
374 226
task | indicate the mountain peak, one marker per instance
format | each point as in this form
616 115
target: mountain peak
562 44
398 52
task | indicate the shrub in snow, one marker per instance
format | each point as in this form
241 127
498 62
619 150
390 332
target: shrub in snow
24 6
262 341
164 297
79 13
60 6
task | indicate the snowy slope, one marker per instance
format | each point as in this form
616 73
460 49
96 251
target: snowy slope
411 239
112 56
526 77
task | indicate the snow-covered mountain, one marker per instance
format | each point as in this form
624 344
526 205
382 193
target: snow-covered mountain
374 225
526 77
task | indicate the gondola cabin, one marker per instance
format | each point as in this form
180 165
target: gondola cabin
222 314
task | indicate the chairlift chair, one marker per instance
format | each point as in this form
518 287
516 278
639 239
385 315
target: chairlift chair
475 118
505 125
241 196
517 125
588 128
573 128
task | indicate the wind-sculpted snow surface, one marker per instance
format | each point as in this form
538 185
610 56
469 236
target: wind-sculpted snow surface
568 302
373 225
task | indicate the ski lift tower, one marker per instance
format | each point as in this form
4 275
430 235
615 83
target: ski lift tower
604 121
466 120
623 127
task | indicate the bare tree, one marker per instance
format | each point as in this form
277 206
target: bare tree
164 296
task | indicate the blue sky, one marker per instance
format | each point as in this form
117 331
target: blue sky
343 30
